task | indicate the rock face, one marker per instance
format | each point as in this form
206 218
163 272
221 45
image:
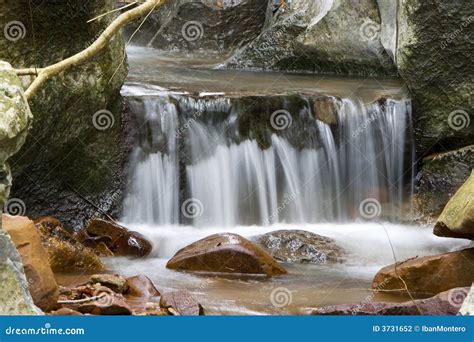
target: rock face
457 218
41 282
15 298
208 25
445 303
429 275
70 146
328 36
182 303
66 254
433 57
227 253
440 177
299 246
121 241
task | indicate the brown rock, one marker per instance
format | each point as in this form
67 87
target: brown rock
41 282
299 246
66 312
65 252
229 253
445 303
427 276
123 242
113 282
107 305
182 302
141 286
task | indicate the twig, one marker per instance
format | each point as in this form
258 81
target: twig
110 12
85 300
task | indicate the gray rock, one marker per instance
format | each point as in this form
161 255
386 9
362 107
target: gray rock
299 246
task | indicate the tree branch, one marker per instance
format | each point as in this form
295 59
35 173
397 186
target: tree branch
100 43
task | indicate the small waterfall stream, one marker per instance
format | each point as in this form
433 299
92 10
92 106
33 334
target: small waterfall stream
213 160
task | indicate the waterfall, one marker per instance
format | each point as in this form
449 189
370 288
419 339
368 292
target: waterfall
213 160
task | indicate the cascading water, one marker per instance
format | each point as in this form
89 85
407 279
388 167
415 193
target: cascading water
221 161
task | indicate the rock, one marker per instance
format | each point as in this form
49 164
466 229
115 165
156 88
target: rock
66 156
66 254
324 37
66 312
429 275
141 286
184 25
440 177
433 57
182 302
457 218
114 282
227 253
122 241
445 303
41 281
299 246
107 305
467 308
15 298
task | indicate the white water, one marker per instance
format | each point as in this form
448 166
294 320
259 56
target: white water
230 181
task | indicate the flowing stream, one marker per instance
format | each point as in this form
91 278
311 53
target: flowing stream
251 153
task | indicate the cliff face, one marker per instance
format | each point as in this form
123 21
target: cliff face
77 139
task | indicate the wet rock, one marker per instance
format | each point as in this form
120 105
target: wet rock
299 246
122 241
181 302
66 312
41 282
141 286
445 303
114 282
457 218
427 276
107 305
65 253
440 177
227 253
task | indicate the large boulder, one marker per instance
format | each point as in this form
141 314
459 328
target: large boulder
441 175
227 253
457 218
41 281
434 58
341 37
121 241
76 147
445 303
299 246
15 298
429 275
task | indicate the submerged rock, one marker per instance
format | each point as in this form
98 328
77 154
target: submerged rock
226 253
118 239
429 275
66 254
141 286
299 246
182 303
445 303
457 218
41 281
